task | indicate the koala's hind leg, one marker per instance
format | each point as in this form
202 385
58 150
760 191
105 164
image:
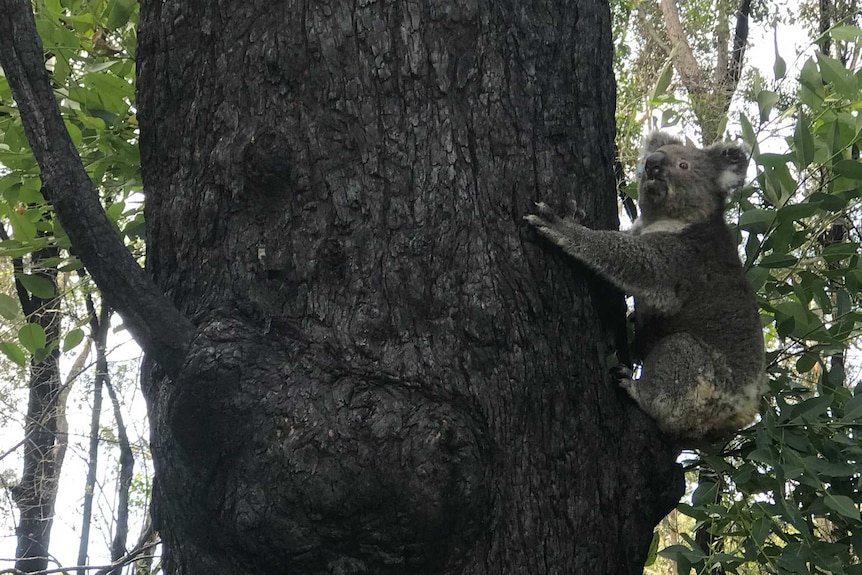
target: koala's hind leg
681 388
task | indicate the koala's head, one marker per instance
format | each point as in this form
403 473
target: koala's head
687 183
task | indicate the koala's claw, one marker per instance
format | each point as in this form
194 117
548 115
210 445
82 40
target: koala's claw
624 375
621 372
547 217
578 214
546 213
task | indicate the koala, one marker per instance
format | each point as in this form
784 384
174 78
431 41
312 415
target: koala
697 325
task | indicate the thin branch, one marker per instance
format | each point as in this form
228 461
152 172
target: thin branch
11 450
157 326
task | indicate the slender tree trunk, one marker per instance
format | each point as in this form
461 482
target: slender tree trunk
99 324
390 374
44 433
124 480
90 485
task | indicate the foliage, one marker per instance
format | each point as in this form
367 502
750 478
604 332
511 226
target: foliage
89 46
785 494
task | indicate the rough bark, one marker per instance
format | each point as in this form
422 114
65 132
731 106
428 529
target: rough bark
389 374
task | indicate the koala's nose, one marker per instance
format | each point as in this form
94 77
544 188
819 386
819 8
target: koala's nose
654 164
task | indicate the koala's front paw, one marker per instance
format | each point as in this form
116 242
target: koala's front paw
548 218
545 218
562 231
624 377
576 215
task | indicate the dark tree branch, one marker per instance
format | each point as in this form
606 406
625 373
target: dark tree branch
156 325
740 40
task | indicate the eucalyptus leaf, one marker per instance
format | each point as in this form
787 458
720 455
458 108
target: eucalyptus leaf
843 505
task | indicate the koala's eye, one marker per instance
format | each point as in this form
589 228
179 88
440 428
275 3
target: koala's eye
683 165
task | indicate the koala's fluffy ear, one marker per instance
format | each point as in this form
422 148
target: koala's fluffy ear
656 139
731 162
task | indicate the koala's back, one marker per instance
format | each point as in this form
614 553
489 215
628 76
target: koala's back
719 311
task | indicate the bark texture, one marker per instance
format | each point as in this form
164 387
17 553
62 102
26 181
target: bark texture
389 373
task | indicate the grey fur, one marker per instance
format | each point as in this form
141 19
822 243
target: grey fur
697 324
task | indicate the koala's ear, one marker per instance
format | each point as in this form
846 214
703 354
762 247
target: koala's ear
656 139
731 162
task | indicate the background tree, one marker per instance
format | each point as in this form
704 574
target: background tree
384 374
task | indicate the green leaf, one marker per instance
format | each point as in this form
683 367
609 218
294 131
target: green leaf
748 135
849 169
760 530
846 33
853 408
803 141
32 337
757 220
762 455
795 212
72 339
24 230
13 352
118 13
779 68
10 308
757 277
838 75
840 251
705 494
806 362
766 100
652 554
843 505
36 285
828 202
74 133
811 91
778 261
814 407
664 80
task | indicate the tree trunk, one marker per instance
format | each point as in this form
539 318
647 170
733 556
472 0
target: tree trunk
390 373
45 433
